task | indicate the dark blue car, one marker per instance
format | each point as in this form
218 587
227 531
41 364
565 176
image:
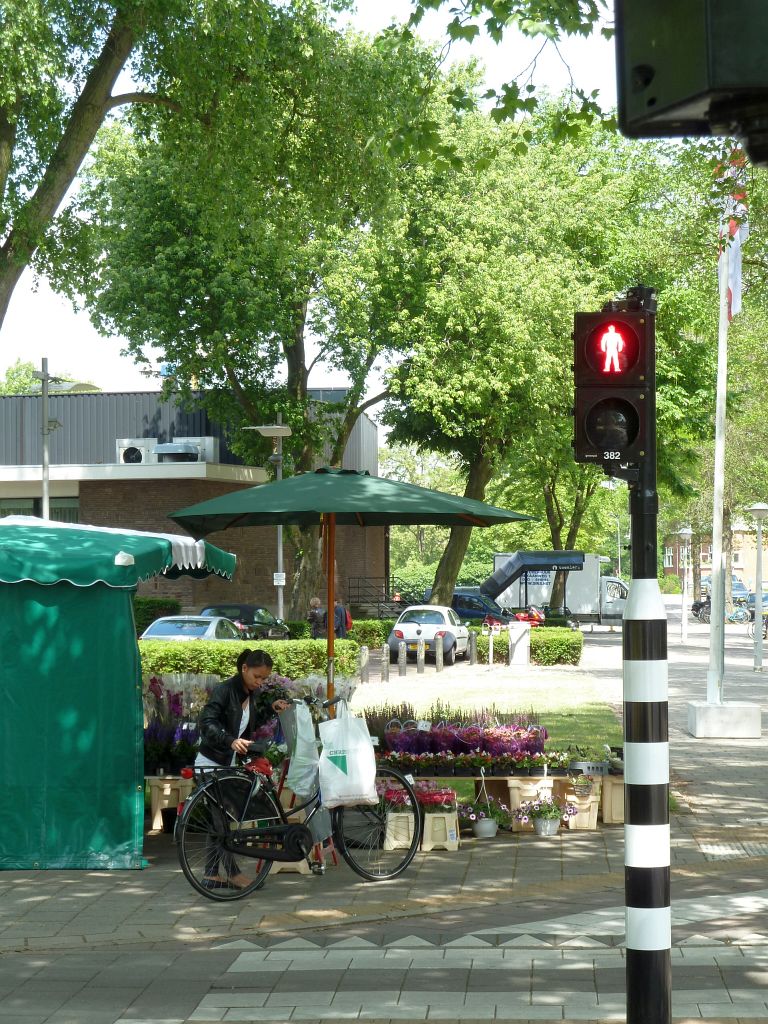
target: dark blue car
751 604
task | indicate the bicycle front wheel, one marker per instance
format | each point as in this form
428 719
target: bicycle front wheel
210 860
740 615
379 841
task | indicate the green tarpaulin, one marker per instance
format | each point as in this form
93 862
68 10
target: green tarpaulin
70 689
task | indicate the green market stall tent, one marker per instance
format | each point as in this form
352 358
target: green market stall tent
70 688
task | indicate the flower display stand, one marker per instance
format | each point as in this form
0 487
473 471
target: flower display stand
441 830
399 831
513 789
166 791
612 803
587 808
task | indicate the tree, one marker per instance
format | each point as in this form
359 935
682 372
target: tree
509 252
19 379
235 294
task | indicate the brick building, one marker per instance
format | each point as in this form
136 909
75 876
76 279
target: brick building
128 459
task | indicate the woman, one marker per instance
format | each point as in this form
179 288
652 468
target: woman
235 709
316 619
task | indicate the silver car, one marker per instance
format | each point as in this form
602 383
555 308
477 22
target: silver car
434 624
192 627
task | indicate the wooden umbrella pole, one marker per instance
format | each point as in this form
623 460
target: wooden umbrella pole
329 524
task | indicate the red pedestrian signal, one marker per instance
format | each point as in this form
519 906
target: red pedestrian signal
614 376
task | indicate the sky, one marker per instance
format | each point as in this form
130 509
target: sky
42 324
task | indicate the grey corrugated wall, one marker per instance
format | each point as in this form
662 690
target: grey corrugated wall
92 422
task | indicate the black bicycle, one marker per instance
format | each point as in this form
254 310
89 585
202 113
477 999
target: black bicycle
233 828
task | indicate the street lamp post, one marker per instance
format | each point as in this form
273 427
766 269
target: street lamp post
685 534
758 511
47 426
277 431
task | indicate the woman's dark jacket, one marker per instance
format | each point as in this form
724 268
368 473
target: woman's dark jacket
220 718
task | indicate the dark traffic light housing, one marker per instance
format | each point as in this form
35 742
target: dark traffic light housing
615 378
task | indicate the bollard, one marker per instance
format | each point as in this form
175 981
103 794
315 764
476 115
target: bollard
385 655
420 656
472 647
402 658
490 648
438 654
365 664
511 648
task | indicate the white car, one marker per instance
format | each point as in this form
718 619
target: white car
434 624
192 627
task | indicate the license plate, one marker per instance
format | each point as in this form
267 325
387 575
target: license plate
413 647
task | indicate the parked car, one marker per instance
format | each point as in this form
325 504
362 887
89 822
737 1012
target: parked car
254 620
192 627
434 624
751 604
469 603
739 592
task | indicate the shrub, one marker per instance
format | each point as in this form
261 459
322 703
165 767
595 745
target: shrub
147 609
555 646
670 584
371 632
295 659
300 629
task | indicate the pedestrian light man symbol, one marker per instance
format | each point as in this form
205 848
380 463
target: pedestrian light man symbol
611 344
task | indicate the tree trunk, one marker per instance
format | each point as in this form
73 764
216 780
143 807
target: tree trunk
728 557
696 565
309 578
557 522
84 121
453 555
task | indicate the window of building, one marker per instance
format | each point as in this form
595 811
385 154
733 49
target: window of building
706 554
17 507
63 510
669 558
737 559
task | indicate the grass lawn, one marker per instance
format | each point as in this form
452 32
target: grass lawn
575 707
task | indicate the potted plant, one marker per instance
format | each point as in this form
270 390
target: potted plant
582 785
538 764
545 813
471 762
557 762
503 765
485 818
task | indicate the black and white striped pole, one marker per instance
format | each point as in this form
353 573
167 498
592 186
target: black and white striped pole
615 426
646 774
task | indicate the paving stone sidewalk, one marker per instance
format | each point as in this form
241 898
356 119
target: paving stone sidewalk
509 929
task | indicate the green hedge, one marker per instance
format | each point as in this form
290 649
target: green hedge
371 632
147 609
555 646
292 658
300 629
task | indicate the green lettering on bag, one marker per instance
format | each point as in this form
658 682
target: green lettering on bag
340 760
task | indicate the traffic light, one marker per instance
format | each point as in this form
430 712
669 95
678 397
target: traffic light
615 377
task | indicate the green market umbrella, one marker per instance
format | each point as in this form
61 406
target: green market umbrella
331 497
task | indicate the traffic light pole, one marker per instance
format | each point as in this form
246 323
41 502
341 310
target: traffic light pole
646 760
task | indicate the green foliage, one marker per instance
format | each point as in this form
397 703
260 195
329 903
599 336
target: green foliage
294 659
147 609
371 632
300 629
670 584
554 646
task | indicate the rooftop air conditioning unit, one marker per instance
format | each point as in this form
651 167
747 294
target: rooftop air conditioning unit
188 449
136 451
208 447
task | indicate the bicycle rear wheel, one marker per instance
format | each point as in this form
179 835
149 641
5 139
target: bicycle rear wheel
204 837
379 841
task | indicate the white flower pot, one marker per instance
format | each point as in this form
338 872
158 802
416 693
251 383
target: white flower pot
485 828
546 826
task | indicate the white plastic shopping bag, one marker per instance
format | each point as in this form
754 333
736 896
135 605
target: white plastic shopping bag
347 763
302 746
